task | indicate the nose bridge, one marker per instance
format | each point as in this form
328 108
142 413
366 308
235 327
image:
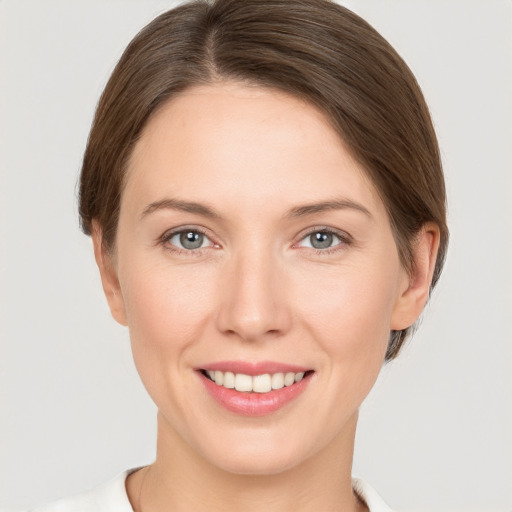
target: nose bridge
254 295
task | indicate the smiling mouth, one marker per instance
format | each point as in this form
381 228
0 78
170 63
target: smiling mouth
264 383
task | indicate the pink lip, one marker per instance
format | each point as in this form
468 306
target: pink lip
253 368
254 404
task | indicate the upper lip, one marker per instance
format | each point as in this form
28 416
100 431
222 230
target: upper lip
253 368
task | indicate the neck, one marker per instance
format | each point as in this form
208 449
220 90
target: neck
181 480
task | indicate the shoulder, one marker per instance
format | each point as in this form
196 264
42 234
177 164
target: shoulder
369 495
108 497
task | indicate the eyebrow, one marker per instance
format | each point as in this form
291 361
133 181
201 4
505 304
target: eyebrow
336 204
296 212
183 206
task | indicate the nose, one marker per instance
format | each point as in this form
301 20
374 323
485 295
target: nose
254 305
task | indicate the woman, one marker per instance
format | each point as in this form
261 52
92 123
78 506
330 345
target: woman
263 188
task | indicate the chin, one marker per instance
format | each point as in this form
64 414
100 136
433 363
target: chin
264 454
261 464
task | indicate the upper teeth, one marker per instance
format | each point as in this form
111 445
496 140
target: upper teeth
257 383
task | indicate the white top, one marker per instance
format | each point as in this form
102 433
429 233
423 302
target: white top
112 497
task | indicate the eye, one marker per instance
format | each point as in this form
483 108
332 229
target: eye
323 239
188 239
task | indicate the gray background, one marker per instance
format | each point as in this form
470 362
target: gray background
436 432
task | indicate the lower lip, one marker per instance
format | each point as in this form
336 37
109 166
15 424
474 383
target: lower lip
254 404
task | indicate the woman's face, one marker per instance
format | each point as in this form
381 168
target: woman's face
251 244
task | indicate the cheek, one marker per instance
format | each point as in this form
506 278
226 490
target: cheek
166 300
166 311
348 312
349 321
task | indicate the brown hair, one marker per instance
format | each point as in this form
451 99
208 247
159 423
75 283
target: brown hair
312 49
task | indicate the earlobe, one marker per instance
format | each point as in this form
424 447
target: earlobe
109 278
413 295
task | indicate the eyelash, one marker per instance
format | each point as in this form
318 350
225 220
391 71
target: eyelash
344 240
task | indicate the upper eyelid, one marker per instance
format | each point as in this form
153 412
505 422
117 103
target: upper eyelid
175 231
343 235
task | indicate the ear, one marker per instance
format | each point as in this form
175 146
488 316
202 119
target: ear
108 273
415 287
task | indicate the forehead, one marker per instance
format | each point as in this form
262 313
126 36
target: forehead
243 141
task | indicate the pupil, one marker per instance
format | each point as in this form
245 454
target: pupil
191 240
321 240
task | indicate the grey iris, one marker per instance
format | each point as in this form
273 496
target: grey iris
191 239
321 240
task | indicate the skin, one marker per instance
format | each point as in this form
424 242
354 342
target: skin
256 291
